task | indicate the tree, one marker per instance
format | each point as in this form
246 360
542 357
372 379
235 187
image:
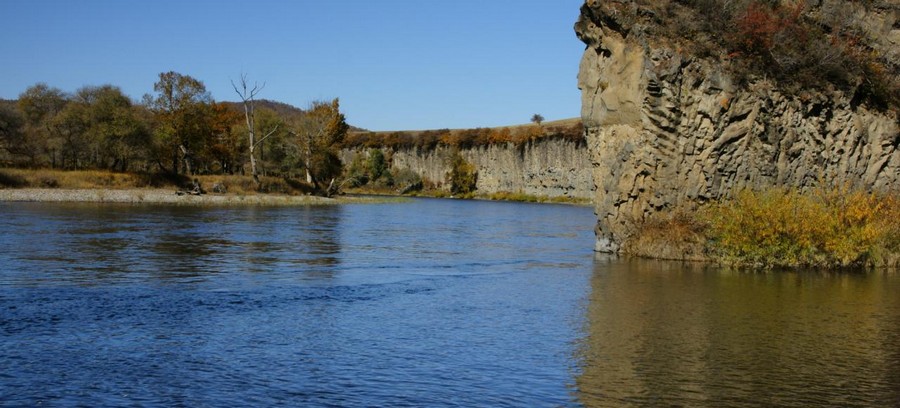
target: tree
181 108
247 97
376 164
320 132
39 105
463 175
278 153
101 127
11 125
537 119
227 145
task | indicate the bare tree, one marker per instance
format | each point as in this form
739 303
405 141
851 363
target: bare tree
537 118
247 97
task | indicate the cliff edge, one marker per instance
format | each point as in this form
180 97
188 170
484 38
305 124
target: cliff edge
670 126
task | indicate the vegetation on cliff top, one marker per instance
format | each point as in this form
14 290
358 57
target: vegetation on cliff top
570 129
801 44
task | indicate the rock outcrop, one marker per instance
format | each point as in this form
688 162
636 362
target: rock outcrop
545 168
666 129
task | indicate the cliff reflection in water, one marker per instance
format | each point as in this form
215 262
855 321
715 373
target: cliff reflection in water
92 245
669 334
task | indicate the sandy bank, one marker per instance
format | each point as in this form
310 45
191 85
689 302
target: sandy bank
158 196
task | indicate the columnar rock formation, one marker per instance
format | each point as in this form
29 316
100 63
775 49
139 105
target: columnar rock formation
666 129
546 168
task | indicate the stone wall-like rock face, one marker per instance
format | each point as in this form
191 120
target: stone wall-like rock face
665 129
549 168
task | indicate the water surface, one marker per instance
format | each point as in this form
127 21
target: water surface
674 334
428 303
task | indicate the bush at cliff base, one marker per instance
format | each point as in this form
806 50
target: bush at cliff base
784 228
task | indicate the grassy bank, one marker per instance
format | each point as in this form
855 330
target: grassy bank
97 179
25 185
440 193
780 228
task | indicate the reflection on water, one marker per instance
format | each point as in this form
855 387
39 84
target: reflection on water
669 334
106 244
427 303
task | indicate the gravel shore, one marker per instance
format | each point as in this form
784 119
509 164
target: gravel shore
157 196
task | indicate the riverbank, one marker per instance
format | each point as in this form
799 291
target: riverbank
500 196
778 228
163 196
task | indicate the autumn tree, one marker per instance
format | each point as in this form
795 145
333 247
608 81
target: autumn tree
181 108
319 132
227 145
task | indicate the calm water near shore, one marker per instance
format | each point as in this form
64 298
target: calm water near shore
426 303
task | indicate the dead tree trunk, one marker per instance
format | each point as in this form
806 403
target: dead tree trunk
247 96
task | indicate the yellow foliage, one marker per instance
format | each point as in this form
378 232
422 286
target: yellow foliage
781 227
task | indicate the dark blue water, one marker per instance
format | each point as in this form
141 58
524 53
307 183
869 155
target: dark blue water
428 303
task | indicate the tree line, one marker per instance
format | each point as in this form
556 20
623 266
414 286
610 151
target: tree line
466 138
178 129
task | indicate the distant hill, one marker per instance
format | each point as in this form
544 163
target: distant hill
281 108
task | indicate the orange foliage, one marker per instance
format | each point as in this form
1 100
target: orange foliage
756 28
464 138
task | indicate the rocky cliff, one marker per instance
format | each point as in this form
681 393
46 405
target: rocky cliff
547 168
666 128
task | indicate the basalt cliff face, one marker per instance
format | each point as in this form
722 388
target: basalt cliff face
551 168
666 129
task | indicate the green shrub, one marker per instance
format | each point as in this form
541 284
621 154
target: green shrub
462 176
357 176
407 181
376 165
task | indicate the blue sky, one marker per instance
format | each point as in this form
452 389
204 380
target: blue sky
395 64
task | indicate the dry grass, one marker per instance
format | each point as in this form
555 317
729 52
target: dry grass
243 185
97 179
528 198
86 179
676 234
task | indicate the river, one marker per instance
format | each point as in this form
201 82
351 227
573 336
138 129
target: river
425 303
